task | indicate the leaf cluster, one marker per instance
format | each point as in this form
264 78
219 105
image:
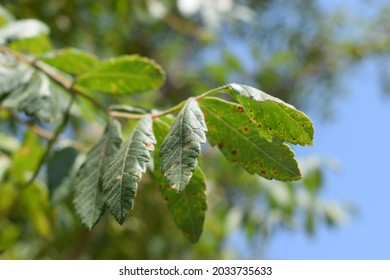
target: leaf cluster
250 127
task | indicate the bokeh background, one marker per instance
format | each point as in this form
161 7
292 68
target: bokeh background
330 59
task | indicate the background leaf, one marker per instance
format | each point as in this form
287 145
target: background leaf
12 74
122 75
88 198
59 167
34 45
239 140
181 147
273 116
126 168
39 98
187 208
70 60
21 29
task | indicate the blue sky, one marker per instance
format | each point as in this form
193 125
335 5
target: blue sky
358 137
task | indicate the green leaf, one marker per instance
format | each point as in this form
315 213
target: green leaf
126 168
122 75
21 29
35 45
26 160
187 208
5 17
181 147
239 140
59 167
88 198
70 60
273 116
39 98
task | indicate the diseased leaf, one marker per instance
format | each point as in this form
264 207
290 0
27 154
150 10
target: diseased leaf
88 198
71 61
38 98
187 208
123 75
237 137
21 29
273 116
126 168
181 147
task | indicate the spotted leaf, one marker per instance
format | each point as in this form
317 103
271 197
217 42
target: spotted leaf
236 135
180 150
274 118
121 178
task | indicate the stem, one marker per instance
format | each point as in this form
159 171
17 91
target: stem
60 128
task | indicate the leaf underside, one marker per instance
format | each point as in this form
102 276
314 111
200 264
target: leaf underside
126 168
187 208
88 198
237 136
39 98
274 118
181 147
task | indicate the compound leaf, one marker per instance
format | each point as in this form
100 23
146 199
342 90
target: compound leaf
70 60
181 147
126 168
187 208
88 198
237 137
122 75
273 116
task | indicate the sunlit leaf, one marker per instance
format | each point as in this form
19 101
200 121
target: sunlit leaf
238 138
39 98
34 45
70 60
26 159
180 150
126 168
274 118
21 29
5 16
122 75
88 198
187 208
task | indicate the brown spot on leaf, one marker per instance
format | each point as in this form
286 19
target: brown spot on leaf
259 126
234 152
240 109
221 145
263 173
246 129
269 128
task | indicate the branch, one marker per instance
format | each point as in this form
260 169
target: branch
52 74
